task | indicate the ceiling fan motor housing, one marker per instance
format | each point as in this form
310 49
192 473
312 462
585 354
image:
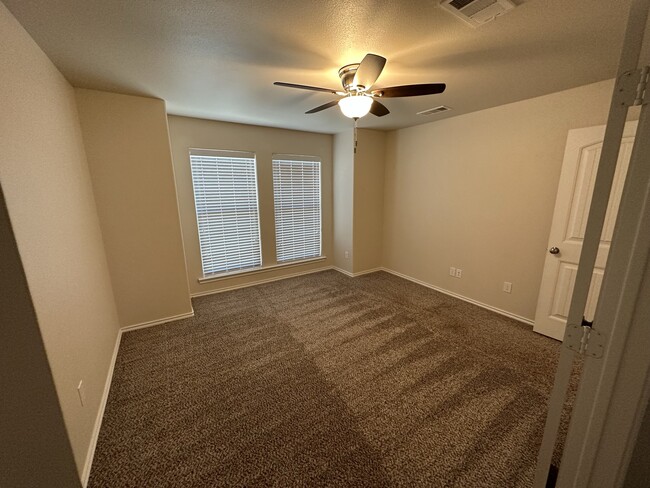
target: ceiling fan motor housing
346 73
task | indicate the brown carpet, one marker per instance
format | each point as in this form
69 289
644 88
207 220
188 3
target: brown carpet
324 380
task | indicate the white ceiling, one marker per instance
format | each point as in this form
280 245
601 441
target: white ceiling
217 59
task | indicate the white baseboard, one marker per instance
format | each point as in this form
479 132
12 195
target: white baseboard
367 271
259 282
100 414
464 298
346 273
151 323
358 273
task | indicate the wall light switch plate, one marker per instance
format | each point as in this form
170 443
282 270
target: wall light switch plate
452 271
507 287
459 273
347 254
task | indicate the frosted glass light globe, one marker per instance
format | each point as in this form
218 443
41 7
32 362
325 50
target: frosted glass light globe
355 106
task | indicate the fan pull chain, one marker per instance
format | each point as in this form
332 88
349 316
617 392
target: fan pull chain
355 134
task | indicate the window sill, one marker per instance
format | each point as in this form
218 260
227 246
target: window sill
252 271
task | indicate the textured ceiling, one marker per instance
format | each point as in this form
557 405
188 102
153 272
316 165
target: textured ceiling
217 59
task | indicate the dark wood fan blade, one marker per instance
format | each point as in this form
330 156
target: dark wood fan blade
410 90
304 87
378 109
369 70
323 107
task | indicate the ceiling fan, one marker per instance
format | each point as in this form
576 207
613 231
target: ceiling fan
358 98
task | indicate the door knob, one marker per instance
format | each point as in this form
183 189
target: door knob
554 250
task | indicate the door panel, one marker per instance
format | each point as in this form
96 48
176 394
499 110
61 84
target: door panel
583 188
566 278
574 195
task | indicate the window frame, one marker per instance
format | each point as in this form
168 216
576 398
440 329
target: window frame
298 158
227 153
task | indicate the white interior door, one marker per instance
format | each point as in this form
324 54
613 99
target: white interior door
572 204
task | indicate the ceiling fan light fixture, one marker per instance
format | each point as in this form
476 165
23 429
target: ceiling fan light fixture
358 79
355 106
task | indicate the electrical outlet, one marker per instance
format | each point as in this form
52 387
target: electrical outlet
452 271
507 287
347 254
459 273
82 393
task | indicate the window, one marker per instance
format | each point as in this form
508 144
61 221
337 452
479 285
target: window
296 190
225 195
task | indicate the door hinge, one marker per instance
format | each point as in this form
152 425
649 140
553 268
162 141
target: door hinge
584 339
632 86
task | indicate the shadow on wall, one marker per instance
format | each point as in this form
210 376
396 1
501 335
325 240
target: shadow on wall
31 431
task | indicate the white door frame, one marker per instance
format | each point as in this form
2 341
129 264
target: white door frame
598 445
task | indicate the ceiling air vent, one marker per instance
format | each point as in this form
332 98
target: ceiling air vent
435 110
477 12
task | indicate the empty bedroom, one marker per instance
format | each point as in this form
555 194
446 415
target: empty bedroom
324 243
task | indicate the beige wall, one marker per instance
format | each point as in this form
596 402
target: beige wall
48 192
127 145
477 192
31 431
189 133
343 199
369 163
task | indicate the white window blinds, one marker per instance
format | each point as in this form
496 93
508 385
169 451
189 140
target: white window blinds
297 194
225 195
